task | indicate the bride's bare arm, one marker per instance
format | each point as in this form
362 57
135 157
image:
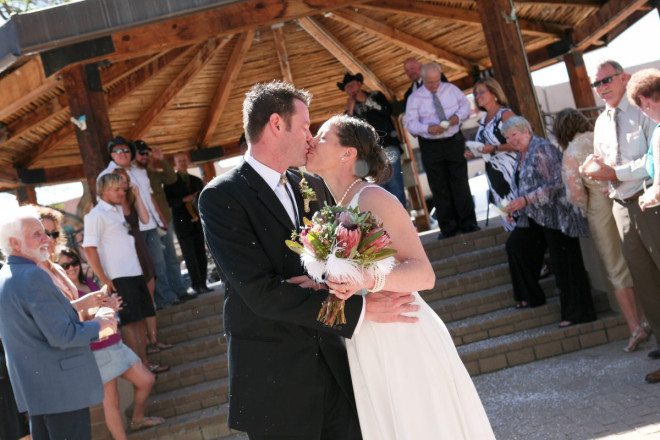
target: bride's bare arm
414 271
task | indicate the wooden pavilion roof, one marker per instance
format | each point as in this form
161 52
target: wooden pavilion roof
178 83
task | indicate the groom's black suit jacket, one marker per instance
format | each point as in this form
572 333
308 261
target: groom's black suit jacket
276 347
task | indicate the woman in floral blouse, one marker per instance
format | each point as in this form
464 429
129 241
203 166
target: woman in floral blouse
543 217
575 136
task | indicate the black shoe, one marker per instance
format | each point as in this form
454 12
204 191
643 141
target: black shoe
205 289
187 297
473 228
443 235
655 354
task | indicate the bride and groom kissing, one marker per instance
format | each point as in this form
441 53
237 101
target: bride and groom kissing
391 371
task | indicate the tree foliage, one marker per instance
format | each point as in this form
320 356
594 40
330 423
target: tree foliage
11 7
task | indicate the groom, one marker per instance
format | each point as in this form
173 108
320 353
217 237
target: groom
288 373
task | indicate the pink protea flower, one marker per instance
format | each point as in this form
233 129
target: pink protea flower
346 218
375 240
348 237
304 238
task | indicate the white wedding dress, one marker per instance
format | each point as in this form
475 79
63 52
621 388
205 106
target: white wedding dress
410 383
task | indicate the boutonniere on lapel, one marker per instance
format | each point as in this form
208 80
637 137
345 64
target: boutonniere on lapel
306 192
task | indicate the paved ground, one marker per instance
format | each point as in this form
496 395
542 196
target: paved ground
595 394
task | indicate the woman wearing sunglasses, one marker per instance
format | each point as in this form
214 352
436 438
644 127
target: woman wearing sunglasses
114 360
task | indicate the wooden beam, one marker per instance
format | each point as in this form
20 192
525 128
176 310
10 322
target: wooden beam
594 3
86 97
604 20
64 133
282 56
579 80
225 87
205 53
52 108
421 47
8 174
26 195
623 26
510 65
231 19
24 85
460 15
343 55
122 69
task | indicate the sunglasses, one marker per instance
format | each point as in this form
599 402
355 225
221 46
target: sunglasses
65 266
144 153
606 80
54 235
121 150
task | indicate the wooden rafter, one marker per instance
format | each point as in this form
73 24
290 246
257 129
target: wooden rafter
594 3
53 108
120 70
116 95
23 86
428 10
225 88
343 55
204 54
604 20
231 19
282 55
381 30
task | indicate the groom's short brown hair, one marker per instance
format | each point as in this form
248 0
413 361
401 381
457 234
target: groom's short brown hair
263 100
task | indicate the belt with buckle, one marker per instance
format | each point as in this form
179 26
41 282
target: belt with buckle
632 198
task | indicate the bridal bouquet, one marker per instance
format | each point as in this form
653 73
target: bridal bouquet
345 244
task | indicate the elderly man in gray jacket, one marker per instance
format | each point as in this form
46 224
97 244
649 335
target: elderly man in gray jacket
51 367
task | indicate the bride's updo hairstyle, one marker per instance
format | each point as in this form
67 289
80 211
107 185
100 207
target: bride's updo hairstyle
371 157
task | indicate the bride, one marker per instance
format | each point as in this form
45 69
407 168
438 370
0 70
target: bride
408 379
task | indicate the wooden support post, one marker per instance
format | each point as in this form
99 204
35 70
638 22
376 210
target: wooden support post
26 195
580 83
507 52
209 171
85 95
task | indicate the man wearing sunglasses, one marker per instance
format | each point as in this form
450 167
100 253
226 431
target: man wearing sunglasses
122 153
621 140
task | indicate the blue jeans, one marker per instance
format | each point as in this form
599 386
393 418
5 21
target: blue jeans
395 184
164 295
172 263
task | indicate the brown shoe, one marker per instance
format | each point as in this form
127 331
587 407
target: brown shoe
653 377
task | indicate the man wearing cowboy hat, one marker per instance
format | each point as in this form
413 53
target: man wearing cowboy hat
374 108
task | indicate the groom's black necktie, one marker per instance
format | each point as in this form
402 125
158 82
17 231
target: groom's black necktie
283 182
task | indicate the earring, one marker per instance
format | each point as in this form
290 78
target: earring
343 159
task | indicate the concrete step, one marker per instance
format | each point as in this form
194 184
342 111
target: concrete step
193 329
509 320
539 343
469 261
469 281
480 302
187 399
191 373
207 304
461 244
190 351
204 424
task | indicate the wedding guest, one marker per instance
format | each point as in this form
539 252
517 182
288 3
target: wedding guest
644 92
111 253
501 161
114 360
51 366
621 140
13 424
575 136
544 218
135 213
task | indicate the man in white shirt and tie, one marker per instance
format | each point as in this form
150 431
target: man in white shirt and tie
434 114
621 139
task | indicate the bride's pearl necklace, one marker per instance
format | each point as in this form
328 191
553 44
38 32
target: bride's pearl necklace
355 182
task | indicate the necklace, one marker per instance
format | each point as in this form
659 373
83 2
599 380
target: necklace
356 181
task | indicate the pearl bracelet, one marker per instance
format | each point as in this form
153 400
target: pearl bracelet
379 284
